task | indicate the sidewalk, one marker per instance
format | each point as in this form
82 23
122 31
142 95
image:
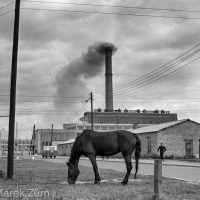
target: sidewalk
151 161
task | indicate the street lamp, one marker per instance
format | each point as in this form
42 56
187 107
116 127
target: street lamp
0 141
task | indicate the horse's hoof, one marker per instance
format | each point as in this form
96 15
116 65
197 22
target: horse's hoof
124 183
97 182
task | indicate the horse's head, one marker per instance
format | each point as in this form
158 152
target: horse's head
73 173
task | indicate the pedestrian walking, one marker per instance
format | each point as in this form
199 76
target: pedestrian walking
162 149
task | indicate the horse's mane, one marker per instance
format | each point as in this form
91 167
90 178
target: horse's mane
80 135
76 140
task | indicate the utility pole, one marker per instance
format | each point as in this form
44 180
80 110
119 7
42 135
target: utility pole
51 135
92 119
16 139
32 139
11 134
33 146
0 142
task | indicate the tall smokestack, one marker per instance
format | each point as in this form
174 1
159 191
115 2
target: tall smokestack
108 74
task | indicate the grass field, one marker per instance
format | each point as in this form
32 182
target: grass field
35 179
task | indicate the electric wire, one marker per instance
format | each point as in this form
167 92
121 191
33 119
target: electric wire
7 5
165 76
142 84
6 13
114 6
76 112
152 72
150 76
109 13
159 72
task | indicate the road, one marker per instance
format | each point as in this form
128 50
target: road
178 172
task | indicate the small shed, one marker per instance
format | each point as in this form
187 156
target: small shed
181 138
64 149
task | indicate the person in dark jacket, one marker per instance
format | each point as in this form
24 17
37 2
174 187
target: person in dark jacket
162 149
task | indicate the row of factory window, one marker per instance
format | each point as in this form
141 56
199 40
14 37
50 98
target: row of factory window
117 127
70 147
18 147
132 111
17 142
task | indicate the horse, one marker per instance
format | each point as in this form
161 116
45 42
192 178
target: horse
92 143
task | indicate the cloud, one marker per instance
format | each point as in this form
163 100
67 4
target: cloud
53 60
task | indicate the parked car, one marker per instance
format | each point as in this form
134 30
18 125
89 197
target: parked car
49 151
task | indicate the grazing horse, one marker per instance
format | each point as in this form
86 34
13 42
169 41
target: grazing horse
91 144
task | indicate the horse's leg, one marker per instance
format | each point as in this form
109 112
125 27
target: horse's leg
129 167
95 168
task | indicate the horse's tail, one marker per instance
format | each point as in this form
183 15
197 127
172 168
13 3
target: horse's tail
137 153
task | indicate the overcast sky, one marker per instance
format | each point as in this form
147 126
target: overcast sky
155 64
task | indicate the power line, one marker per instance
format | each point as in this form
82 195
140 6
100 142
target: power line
6 13
76 112
39 96
6 5
110 13
165 76
152 74
161 71
115 6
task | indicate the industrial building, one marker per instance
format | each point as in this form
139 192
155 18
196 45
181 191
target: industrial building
181 138
129 117
46 137
107 119
21 146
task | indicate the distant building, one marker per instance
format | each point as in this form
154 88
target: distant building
129 117
21 145
98 127
64 149
103 121
43 137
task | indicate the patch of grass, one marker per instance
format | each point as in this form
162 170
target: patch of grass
47 180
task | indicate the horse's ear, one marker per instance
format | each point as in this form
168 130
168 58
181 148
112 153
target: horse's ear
67 164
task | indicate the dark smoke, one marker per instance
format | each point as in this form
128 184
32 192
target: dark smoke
70 78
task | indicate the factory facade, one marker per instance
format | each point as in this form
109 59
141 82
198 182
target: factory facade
46 137
129 116
21 146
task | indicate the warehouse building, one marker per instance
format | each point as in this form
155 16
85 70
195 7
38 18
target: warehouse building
181 138
64 149
44 137
20 146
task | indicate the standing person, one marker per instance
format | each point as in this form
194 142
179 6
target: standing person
162 149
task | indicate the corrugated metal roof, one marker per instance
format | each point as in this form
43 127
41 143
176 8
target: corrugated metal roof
68 142
157 128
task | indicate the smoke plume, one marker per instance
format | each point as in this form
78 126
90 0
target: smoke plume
71 77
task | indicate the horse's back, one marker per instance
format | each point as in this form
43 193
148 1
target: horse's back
107 143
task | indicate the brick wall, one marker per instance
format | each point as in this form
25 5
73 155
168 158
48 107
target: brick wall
174 138
65 149
144 140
